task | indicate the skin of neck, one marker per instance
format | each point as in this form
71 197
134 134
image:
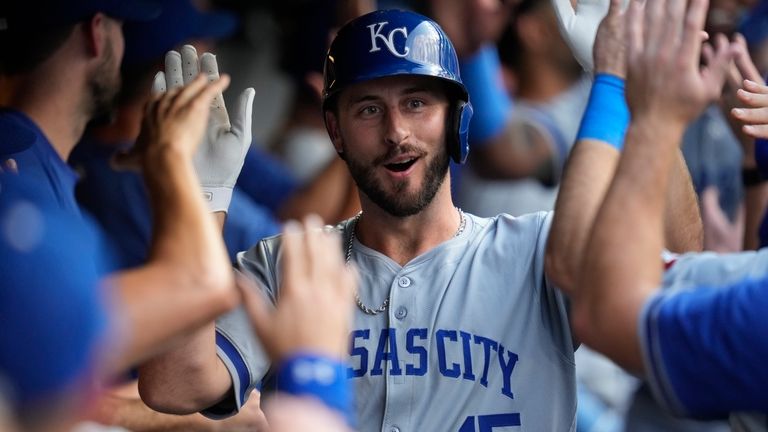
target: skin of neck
404 238
55 96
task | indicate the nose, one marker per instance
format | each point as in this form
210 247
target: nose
397 129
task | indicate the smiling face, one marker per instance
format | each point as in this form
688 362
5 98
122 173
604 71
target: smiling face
391 133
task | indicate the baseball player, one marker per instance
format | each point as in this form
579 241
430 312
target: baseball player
53 83
701 342
456 326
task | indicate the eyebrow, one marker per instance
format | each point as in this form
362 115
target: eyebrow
405 92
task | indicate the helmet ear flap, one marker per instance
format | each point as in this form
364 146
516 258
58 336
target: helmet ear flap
458 145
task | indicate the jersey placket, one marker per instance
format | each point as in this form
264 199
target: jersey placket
399 383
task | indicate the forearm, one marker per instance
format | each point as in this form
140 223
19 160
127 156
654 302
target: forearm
187 281
683 228
521 150
186 379
589 172
581 194
755 191
621 265
755 203
185 232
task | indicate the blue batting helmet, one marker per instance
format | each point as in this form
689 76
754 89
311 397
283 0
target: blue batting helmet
395 42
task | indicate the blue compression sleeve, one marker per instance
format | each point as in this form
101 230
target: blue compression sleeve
481 74
318 376
606 117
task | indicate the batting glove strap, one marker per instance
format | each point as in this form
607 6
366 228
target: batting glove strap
217 198
324 378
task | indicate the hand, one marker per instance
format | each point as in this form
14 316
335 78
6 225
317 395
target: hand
250 418
610 43
470 24
755 117
740 69
221 154
220 158
578 25
663 51
173 121
314 308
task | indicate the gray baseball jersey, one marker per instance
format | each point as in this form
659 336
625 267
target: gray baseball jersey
474 338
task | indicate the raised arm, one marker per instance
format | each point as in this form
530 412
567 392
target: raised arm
665 91
738 101
594 157
187 281
593 161
189 376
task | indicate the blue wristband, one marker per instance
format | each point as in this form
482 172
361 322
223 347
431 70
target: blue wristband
305 374
761 156
481 74
606 117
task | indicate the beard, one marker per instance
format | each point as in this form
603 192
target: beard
104 86
399 202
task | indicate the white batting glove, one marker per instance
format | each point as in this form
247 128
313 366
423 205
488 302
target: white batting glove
220 157
579 27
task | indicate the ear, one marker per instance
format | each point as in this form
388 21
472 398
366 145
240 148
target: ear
332 125
96 33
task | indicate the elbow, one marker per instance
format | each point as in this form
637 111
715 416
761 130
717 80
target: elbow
159 399
162 398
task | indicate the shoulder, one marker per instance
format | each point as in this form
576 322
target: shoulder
504 224
267 250
17 134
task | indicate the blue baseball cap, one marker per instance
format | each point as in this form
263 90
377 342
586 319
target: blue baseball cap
180 21
754 26
52 317
24 15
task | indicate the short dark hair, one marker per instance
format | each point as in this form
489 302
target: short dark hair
21 51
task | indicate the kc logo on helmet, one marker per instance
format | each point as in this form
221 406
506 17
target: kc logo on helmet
389 40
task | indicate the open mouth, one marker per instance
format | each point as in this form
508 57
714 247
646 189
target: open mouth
401 166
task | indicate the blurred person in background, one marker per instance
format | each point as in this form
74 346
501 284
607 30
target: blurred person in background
53 83
117 198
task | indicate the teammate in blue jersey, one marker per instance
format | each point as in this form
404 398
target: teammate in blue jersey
52 83
456 326
700 341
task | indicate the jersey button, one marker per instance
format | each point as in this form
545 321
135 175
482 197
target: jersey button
401 312
394 429
404 282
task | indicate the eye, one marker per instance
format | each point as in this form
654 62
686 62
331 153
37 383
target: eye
369 110
415 103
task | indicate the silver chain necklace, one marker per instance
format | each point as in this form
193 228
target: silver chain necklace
383 307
